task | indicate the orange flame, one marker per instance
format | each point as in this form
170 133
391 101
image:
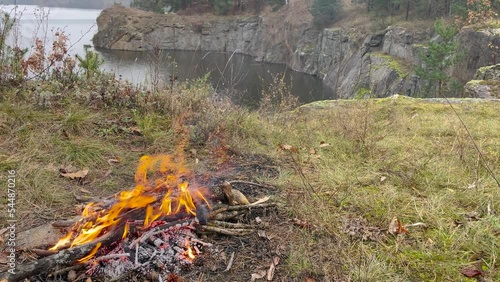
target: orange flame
125 230
167 178
91 254
62 242
190 254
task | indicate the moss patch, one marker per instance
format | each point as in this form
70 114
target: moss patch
400 66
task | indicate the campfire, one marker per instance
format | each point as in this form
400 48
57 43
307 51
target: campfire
160 211
152 228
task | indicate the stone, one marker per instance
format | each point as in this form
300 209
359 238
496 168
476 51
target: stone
476 89
488 72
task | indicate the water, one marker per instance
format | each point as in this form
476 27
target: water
39 22
242 73
227 71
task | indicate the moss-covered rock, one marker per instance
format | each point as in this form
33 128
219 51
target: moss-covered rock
488 72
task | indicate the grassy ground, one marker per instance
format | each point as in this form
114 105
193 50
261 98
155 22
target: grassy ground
346 169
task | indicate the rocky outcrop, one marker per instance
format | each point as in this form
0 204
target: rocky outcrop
480 48
486 83
379 64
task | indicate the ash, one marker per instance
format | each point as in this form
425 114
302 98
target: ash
155 252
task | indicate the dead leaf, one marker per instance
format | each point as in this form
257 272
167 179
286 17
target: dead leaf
76 175
88 280
285 147
258 220
135 130
108 173
262 234
173 277
309 279
396 227
302 223
323 144
393 226
383 178
272 268
113 161
261 274
239 198
289 148
471 272
312 151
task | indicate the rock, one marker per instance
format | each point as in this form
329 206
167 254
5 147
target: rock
488 72
399 42
476 52
377 39
486 83
477 89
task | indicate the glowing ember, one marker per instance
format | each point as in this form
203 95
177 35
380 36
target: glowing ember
155 175
189 251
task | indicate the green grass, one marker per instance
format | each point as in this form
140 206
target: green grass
407 158
428 162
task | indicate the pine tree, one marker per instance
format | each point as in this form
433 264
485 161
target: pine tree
325 11
222 7
440 55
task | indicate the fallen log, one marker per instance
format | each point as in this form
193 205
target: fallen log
63 257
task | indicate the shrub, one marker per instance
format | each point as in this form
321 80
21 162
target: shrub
222 7
325 11
90 63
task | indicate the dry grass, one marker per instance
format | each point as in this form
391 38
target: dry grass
405 158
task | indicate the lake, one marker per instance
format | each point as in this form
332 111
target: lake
227 71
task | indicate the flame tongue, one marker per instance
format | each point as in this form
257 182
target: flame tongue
189 253
167 179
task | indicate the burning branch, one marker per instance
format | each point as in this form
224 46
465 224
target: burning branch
64 257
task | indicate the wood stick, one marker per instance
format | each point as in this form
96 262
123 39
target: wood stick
239 208
228 215
43 253
252 183
64 223
232 225
230 264
230 232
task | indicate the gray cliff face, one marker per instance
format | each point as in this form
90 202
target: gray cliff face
380 64
477 51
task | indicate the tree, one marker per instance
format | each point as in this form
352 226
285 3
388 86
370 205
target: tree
440 55
148 5
90 63
325 11
222 7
